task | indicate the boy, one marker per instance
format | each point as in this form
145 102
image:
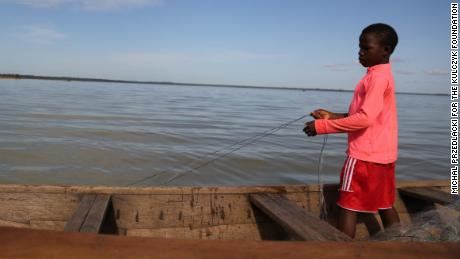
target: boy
367 181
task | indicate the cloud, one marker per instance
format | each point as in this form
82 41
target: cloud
436 72
39 34
92 5
174 57
99 5
36 3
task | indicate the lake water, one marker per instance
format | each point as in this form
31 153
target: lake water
56 132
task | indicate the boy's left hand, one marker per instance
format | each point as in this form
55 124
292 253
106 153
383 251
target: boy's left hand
310 128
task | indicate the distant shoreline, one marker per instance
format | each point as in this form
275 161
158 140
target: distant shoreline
80 79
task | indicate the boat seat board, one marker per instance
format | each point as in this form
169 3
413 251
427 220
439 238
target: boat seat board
90 214
301 224
430 194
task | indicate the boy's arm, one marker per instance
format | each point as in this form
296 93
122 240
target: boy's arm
324 114
370 108
335 116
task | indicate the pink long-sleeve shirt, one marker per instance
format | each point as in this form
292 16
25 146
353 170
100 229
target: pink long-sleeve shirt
371 124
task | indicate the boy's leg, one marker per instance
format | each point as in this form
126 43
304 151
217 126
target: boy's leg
389 217
347 222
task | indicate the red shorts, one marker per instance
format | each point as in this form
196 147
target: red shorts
366 186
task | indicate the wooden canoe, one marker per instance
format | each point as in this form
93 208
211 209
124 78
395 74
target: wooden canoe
37 244
198 212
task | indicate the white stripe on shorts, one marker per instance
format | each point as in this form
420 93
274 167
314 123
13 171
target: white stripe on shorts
348 174
352 170
345 173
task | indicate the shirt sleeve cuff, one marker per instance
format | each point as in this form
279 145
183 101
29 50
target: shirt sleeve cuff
320 126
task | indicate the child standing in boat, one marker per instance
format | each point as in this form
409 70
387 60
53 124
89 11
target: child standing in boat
367 181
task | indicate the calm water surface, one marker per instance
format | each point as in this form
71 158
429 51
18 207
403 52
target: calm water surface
54 132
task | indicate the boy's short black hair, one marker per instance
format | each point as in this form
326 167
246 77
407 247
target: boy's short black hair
385 33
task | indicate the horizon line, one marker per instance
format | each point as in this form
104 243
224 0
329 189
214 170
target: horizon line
103 80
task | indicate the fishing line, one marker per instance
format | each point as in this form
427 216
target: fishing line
242 143
248 142
322 200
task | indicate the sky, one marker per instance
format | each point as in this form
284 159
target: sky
305 44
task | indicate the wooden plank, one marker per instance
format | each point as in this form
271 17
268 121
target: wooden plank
48 224
156 189
295 220
192 190
80 214
430 194
165 207
23 207
24 243
7 223
96 214
221 232
171 211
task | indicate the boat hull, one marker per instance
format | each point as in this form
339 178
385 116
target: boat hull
183 212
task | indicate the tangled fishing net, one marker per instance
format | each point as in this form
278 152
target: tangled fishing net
438 225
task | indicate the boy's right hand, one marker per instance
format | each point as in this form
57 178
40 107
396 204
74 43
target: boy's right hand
321 114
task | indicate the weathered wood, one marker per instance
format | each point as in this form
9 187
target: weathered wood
157 190
7 223
191 211
23 207
78 218
96 214
430 194
24 243
295 220
48 224
190 190
90 214
227 232
176 210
